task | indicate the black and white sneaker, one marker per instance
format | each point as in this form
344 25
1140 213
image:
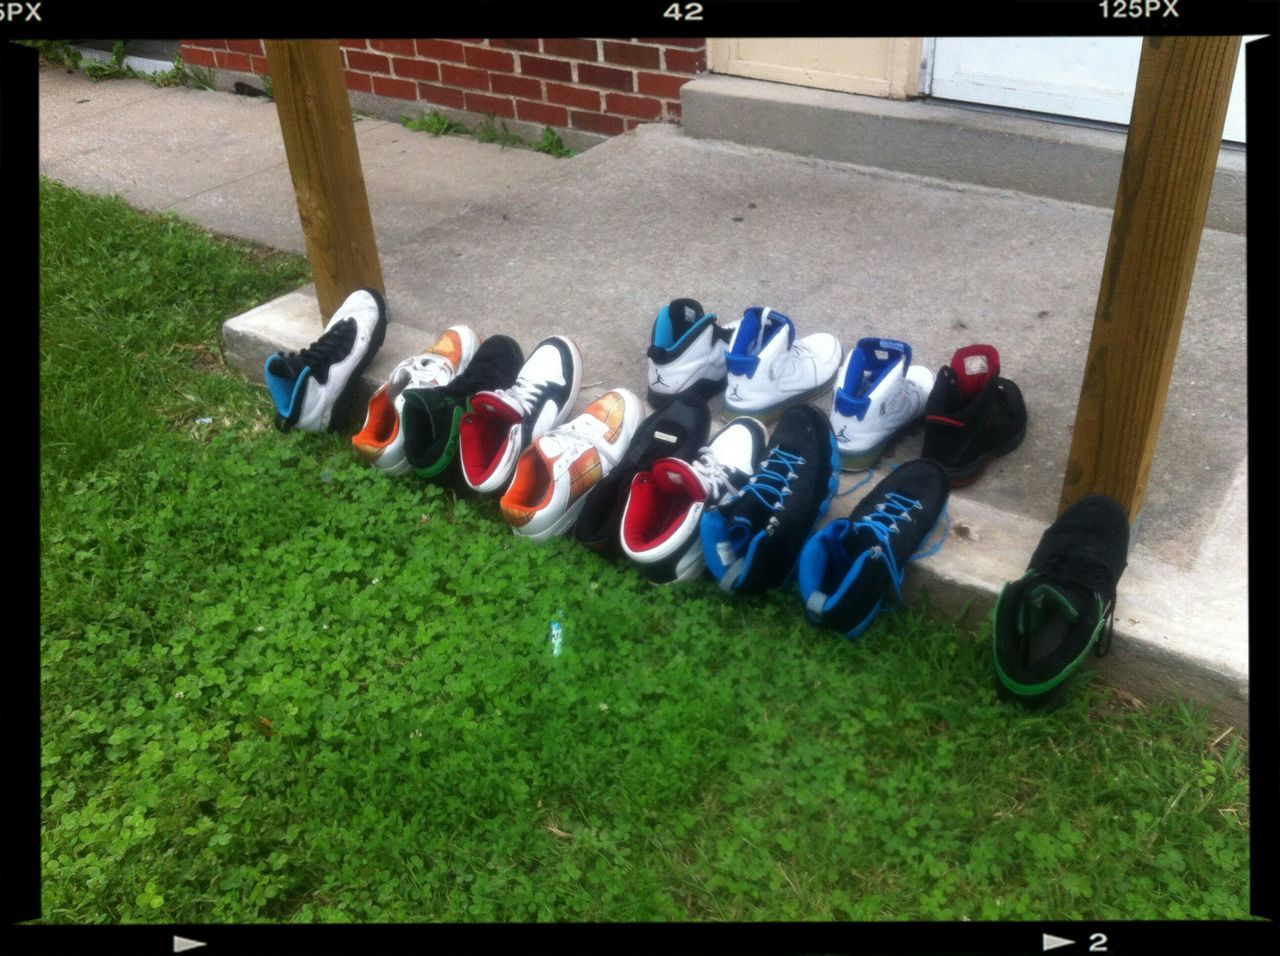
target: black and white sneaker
1048 621
679 429
753 542
503 423
665 506
314 389
686 353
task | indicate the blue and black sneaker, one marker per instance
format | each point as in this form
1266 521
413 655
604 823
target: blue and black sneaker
752 543
851 566
1048 621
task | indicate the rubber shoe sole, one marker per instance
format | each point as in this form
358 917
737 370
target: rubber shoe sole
561 525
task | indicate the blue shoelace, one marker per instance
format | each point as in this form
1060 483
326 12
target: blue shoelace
769 483
883 523
773 481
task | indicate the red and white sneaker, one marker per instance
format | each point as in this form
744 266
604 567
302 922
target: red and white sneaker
660 525
381 441
503 423
555 473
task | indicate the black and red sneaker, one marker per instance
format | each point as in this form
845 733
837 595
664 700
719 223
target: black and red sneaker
677 430
973 415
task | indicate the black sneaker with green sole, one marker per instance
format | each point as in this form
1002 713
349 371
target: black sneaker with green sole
1048 621
431 416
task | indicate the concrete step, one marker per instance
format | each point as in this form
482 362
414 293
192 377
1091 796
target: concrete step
930 138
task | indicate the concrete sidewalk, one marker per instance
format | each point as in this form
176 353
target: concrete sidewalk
516 242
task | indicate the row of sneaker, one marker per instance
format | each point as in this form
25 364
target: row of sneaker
661 490
675 502
971 414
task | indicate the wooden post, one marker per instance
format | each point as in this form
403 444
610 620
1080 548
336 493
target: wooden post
320 142
1170 158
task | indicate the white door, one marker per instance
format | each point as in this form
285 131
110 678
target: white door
1083 77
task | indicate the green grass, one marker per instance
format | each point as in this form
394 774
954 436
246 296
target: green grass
131 310
278 686
64 53
490 130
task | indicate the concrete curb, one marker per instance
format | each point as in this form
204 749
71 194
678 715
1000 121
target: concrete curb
1159 649
1056 160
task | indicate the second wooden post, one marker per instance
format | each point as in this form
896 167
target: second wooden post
1179 109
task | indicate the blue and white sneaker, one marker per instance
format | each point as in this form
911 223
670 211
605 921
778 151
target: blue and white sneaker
879 396
850 567
686 353
314 389
770 370
752 543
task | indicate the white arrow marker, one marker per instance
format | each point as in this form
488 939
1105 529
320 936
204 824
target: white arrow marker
181 944
1053 942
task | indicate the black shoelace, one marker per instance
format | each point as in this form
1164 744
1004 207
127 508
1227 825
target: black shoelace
331 347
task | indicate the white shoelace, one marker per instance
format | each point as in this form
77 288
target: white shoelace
713 473
578 435
524 393
421 371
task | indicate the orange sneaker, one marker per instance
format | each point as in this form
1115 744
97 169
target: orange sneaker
555 473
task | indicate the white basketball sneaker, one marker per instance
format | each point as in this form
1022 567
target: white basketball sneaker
686 352
879 395
504 422
769 370
665 506
313 390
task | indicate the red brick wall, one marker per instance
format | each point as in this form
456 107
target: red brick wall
602 86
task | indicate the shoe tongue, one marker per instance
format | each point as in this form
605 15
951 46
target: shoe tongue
289 365
850 396
674 320
858 539
757 328
774 324
497 406
436 402
558 441
975 366
496 365
449 348
683 314
674 477
1041 599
